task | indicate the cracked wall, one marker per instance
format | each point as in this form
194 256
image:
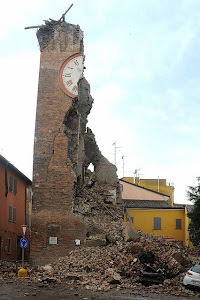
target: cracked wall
63 147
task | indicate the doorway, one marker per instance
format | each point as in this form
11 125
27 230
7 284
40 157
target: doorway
19 249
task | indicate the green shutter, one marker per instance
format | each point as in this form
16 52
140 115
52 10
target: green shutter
15 186
10 213
11 184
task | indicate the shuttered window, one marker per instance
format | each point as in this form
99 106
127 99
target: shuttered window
157 223
178 223
132 219
10 183
14 214
6 183
10 213
15 186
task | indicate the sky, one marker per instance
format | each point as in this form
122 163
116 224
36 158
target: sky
143 65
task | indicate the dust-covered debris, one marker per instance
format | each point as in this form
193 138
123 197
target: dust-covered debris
115 266
103 213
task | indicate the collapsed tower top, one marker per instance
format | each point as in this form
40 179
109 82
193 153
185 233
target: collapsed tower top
47 22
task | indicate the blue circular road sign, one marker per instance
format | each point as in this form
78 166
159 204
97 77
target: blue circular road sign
23 242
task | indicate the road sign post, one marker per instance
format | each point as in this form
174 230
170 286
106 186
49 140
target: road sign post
22 258
23 243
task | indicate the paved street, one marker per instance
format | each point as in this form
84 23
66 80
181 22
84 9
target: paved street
13 292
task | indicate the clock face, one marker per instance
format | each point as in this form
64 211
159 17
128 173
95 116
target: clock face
70 73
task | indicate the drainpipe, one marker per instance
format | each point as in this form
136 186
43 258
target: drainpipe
158 185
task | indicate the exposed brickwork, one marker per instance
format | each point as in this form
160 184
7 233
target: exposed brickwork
64 226
53 173
63 148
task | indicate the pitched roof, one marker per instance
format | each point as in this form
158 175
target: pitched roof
14 169
144 188
146 204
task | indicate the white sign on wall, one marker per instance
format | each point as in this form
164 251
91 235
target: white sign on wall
53 240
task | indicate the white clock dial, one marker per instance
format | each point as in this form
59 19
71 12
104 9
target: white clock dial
70 73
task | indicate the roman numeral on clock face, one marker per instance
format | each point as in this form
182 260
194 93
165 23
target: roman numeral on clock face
69 82
70 72
67 74
76 62
75 89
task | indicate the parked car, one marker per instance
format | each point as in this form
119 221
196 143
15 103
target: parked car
192 277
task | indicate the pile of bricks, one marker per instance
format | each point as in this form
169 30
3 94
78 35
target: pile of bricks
103 213
107 259
116 266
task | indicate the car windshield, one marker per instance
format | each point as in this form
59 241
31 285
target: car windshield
196 269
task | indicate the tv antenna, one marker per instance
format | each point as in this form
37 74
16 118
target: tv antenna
115 152
123 164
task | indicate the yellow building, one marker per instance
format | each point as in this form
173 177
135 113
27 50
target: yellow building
150 212
158 185
167 221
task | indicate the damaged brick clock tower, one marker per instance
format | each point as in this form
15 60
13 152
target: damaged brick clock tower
63 146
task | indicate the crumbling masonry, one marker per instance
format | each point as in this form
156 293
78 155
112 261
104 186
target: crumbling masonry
63 149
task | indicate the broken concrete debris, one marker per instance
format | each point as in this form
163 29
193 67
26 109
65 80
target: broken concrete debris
117 265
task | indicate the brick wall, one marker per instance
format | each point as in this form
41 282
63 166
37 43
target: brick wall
53 173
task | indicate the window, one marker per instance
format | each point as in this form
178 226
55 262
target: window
10 213
11 184
178 223
157 223
14 214
15 186
132 219
121 187
27 192
196 269
6 183
9 246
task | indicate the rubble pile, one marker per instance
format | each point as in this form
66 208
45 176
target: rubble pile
102 210
113 255
7 269
116 266
119 265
